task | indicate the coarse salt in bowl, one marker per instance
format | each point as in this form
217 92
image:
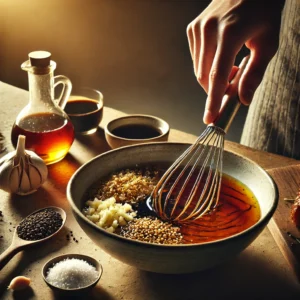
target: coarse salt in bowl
72 273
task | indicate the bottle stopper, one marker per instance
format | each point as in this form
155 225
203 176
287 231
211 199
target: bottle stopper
40 59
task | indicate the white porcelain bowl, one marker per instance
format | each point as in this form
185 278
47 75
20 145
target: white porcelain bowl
170 258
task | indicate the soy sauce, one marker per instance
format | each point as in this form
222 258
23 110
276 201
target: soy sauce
82 106
85 114
136 131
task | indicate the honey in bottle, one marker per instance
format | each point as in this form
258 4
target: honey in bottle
48 129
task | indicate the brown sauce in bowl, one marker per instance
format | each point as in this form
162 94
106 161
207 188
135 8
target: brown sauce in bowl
238 209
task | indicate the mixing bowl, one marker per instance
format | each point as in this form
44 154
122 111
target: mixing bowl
172 259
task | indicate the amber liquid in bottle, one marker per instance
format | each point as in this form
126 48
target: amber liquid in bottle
49 135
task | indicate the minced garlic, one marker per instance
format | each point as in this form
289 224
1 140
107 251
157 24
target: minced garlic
108 214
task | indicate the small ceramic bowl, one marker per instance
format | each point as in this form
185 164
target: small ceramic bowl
136 129
77 291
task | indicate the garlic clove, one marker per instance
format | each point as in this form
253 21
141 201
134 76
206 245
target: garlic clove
19 283
14 180
7 157
35 176
38 164
25 186
5 172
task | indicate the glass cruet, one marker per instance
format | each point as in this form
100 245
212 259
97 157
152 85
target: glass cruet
48 129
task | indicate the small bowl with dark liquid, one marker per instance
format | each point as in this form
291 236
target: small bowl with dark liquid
85 110
136 129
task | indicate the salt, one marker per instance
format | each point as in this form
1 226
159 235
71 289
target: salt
72 273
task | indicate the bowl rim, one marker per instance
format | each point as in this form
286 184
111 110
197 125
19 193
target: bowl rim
166 126
61 257
261 222
100 102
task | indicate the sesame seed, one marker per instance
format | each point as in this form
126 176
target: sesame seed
130 185
158 232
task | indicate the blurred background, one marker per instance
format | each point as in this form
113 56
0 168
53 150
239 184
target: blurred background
134 51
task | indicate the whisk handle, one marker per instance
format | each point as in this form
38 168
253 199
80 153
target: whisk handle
230 102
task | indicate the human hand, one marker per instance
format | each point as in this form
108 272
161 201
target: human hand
217 35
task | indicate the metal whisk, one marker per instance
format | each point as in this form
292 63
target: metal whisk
190 188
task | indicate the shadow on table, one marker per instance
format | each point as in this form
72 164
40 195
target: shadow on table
97 292
25 294
87 147
230 280
95 143
25 205
31 255
60 173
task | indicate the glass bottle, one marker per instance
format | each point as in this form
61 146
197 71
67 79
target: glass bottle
48 129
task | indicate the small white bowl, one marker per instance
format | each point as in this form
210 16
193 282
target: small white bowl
136 129
76 291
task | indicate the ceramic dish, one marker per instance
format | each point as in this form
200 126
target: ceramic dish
77 291
135 129
170 258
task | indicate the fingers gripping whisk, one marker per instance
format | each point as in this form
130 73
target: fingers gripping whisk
191 186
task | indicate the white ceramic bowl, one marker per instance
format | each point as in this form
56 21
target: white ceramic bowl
172 259
157 130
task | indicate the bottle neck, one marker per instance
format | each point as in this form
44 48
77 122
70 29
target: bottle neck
41 91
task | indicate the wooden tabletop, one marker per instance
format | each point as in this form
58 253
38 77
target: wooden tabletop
259 272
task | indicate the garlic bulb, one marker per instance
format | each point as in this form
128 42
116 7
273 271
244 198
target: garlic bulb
22 171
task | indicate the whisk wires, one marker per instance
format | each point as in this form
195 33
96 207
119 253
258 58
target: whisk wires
201 165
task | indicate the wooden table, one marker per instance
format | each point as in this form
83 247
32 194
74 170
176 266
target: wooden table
259 272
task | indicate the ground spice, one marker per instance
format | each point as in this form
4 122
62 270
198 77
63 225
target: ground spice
39 225
152 230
